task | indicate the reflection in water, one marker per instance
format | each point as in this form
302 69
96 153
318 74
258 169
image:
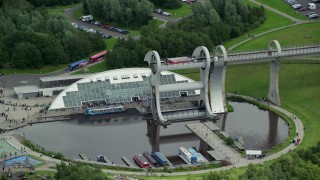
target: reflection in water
259 129
116 136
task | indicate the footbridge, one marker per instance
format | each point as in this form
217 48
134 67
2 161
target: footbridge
212 78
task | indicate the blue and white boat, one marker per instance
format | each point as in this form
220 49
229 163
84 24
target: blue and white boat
104 110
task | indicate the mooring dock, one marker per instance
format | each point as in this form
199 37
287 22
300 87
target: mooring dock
126 160
208 136
84 157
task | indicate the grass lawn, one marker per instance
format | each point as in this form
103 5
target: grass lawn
56 11
291 36
273 21
110 42
181 12
283 7
78 13
65 7
45 69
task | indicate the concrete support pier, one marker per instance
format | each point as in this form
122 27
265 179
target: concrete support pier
273 94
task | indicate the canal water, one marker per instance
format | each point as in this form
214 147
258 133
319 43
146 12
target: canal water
116 136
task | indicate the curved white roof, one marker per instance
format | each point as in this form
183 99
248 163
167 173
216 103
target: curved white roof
115 76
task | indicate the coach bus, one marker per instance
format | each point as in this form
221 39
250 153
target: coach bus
98 57
78 64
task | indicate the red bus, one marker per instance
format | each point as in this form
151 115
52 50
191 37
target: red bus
178 60
98 57
141 161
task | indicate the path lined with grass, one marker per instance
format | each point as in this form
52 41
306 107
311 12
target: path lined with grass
284 8
278 11
297 34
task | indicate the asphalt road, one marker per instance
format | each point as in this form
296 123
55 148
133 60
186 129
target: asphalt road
11 81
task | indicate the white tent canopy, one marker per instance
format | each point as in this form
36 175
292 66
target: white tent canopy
253 152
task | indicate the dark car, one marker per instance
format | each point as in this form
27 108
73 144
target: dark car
302 8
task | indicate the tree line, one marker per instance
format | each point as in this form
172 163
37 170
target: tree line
48 3
123 12
32 38
211 24
168 4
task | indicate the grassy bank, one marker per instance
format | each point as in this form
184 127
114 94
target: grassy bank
185 10
283 7
297 35
273 21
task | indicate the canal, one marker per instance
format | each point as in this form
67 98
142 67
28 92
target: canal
116 136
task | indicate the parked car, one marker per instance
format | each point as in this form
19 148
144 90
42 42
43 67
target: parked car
308 14
316 1
314 16
302 8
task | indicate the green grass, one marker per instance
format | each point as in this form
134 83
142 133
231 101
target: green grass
273 21
56 11
78 13
181 12
110 42
296 35
44 70
283 7
64 7
158 22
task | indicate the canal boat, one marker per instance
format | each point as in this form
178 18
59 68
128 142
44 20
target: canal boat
162 160
141 161
104 110
150 159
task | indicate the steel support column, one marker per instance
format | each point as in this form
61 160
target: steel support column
273 94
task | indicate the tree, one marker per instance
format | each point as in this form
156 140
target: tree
79 172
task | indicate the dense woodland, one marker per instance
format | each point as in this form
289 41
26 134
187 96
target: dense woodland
169 4
124 12
39 3
211 24
32 38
